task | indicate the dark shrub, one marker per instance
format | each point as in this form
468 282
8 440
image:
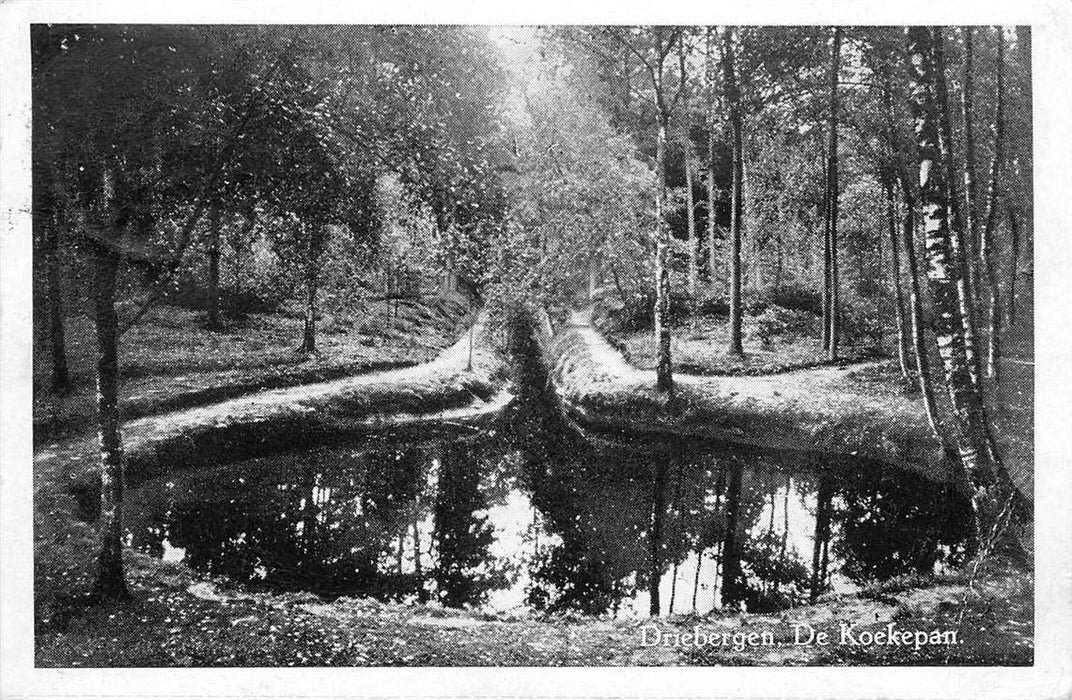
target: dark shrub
638 314
797 298
784 323
190 293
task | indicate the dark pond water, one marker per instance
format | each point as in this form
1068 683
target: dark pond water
525 517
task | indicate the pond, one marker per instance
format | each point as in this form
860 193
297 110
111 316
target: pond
531 516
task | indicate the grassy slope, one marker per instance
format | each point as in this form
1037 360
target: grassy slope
701 348
177 619
171 361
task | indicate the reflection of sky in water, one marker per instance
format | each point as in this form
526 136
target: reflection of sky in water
344 522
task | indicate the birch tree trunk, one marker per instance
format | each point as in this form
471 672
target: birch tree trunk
898 294
833 313
709 75
945 273
986 247
962 252
664 381
686 148
915 301
971 189
694 252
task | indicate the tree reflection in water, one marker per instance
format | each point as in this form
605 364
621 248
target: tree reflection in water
592 525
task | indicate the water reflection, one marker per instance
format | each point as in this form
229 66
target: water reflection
513 519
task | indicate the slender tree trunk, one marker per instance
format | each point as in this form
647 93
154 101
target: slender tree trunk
658 512
971 189
712 259
311 274
945 273
694 248
732 584
898 294
52 222
1014 257
243 248
986 248
686 149
962 253
663 369
110 582
214 269
736 346
915 302
827 288
833 317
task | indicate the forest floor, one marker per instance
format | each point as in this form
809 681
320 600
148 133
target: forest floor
170 360
177 618
700 347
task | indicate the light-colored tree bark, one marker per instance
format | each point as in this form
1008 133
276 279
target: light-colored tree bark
895 274
992 491
915 305
832 319
712 258
986 248
971 193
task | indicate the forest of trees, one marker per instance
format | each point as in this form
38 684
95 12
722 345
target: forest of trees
877 177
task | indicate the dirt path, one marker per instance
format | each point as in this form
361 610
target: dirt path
854 411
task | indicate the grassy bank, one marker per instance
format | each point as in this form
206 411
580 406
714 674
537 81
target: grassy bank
170 360
853 412
180 619
700 347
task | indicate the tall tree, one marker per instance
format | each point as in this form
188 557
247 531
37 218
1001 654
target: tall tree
961 243
831 309
945 273
732 95
895 274
110 582
986 247
915 304
652 47
214 269
709 75
686 147
971 189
